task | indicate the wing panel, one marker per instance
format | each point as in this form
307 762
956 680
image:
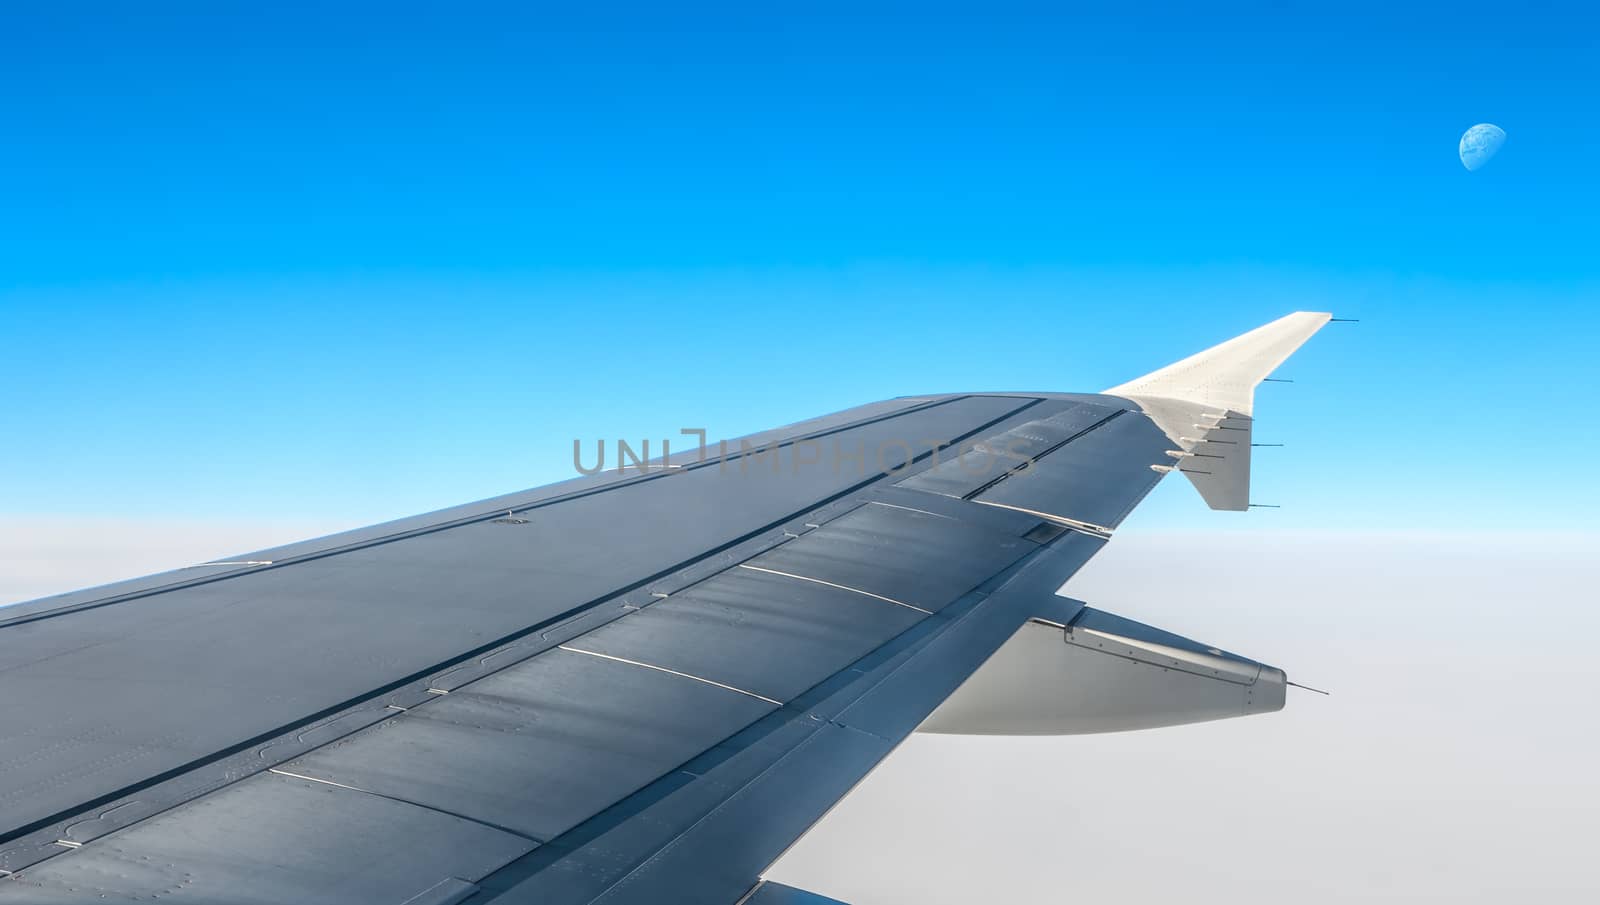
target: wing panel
539 746
1096 478
706 832
967 471
272 839
584 863
909 556
755 823
772 635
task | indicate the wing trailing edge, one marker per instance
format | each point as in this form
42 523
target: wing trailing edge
1206 404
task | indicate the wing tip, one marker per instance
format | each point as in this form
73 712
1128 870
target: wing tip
1192 398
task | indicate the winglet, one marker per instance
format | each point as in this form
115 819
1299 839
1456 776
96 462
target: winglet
1205 404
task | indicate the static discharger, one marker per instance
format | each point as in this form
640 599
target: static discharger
1307 688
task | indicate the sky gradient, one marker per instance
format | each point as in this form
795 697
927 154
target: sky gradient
361 264
1451 763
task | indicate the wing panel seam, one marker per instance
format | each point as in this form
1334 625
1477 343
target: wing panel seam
842 587
670 672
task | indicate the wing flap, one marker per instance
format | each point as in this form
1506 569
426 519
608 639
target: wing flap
767 634
912 557
707 831
540 746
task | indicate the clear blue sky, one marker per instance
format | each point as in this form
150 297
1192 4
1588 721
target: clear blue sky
284 261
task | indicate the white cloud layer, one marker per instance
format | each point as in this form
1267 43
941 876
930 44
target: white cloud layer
1452 763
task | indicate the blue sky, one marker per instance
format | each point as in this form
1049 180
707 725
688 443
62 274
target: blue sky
288 262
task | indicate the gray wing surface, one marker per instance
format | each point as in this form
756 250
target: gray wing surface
633 687
629 687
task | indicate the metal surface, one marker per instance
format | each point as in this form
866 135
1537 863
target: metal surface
540 746
963 472
768 634
271 840
706 831
632 687
106 697
1097 478
912 557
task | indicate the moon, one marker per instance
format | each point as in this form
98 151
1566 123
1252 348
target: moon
1480 143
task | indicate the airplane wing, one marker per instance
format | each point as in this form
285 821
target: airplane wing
632 687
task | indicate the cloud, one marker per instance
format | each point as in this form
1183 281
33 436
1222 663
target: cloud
1452 763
